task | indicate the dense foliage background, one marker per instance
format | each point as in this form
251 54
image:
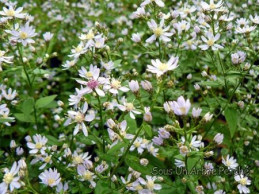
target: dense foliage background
205 55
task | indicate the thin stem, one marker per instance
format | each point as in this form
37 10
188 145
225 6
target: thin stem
126 152
101 124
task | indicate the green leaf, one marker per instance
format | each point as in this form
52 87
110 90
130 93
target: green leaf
191 162
27 106
103 187
39 71
24 118
52 140
148 130
117 147
3 120
43 102
231 116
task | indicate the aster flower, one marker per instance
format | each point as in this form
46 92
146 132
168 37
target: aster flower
149 184
94 80
196 112
179 163
86 175
139 145
160 3
159 68
219 138
159 32
50 177
10 94
182 26
80 117
76 52
23 35
152 150
47 36
243 182
4 113
114 85
230 162
11 12
10 179
128 107
211 6
181 107
210 41
245 30
39 144
81 159
6 59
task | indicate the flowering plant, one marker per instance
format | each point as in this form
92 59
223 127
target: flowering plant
149 96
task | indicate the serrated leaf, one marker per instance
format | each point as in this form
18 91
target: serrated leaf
231 116
44 101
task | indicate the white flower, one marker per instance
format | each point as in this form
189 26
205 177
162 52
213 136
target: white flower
81 159
149 184
128 107
195 142
134 86
10 94
219 192
179 163
108 65
94 80
62 188
245 30
160 3
159 32
207 117
80 117
181 107
147 114
24 35
146 85
196 112
6 59
99 42
114 86
136 37
69 63
86 175
11 12
182 26
139 145
152 150
38 145
10 179
210 41
4 113
219 138
50 177
159 68
211 6
254 19
79 50
230 162
139 12
47 36
243 182
238 57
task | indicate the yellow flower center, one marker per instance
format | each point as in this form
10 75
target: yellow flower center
78 49
210 42
163 66
47 159
228 163
89 74
8 178
137 144
212 6
243 181
189 42
2 53
150 185
38 145
51 181
10 13
158 31
90 35
183 110
115 84
77 160
138 187
87 175
79 117
183 26
23 35
129 106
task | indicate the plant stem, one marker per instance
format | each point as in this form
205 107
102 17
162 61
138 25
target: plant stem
126 152
101 124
